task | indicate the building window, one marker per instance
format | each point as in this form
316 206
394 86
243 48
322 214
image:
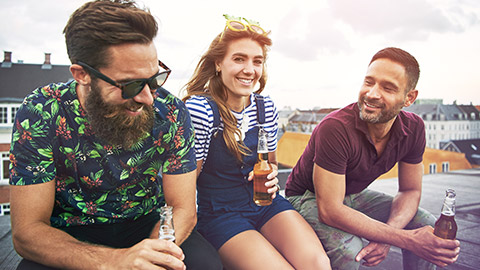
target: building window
445 166
4 163
7 114
433 168
3 115
13 112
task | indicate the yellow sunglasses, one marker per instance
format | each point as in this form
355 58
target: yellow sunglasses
236 24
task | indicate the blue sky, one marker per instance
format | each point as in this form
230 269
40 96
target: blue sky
320 50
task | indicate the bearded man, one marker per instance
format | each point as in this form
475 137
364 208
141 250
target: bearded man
347 151
87 155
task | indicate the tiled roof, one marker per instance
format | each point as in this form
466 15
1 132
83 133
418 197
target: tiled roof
18 80
308 117
471 149
444 112
471 111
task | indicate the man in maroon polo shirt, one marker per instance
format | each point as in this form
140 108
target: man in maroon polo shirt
347 151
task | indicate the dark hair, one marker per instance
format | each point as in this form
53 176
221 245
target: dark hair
97 25
205 78
412 69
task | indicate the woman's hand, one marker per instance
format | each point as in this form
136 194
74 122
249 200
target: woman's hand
272 184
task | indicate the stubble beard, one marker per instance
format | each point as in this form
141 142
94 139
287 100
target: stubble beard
112 124
382 117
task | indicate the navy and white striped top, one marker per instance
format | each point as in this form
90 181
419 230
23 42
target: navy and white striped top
202 119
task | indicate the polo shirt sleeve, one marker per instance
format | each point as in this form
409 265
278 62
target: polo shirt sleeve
417 142
331 146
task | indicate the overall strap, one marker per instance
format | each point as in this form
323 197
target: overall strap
260 109
216 115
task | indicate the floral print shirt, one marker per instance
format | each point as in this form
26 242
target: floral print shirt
97 183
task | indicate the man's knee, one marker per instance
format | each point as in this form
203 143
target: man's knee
342 251
421 218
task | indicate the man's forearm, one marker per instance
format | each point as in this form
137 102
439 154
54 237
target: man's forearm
53 247
359 224
404 206
184 222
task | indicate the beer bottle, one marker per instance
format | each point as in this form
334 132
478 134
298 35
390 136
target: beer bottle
260 171
446 227
166 232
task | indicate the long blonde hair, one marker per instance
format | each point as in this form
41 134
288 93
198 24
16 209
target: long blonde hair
206 82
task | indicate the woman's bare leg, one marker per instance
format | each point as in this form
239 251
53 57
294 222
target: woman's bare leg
290 234
250 250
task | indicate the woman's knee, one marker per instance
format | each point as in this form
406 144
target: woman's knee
320 261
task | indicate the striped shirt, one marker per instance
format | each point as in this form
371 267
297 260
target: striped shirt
202 120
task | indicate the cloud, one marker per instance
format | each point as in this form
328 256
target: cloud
305 35
404 20
30 28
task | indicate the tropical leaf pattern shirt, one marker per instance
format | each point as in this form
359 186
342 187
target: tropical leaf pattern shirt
97 183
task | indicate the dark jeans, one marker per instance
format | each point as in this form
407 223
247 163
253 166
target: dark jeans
199 253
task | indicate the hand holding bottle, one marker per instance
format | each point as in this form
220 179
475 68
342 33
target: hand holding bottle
446 227
261 170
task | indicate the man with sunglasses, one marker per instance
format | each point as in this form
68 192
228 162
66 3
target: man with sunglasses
86 155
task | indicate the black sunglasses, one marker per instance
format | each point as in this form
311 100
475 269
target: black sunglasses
133 87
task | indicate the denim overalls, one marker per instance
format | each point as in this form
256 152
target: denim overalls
225 196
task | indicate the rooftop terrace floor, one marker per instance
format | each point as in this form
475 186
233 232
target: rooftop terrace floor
466 184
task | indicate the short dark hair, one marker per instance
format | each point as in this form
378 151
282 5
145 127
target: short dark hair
412 69
99 24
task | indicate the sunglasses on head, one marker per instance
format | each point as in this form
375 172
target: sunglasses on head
236 24
132 88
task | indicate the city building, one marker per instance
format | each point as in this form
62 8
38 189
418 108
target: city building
17 80
444 122
304 121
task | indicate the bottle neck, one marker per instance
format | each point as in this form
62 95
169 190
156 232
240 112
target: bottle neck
166 211
448 208
262 146
262 156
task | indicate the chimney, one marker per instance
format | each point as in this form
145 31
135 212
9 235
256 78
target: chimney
47 64
47 59
7 56
7 60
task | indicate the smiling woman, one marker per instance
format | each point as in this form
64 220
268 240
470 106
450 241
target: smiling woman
229 114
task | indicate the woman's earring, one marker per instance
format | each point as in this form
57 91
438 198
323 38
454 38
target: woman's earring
217 71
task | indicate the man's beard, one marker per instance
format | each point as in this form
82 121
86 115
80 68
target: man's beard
382 117
112 124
